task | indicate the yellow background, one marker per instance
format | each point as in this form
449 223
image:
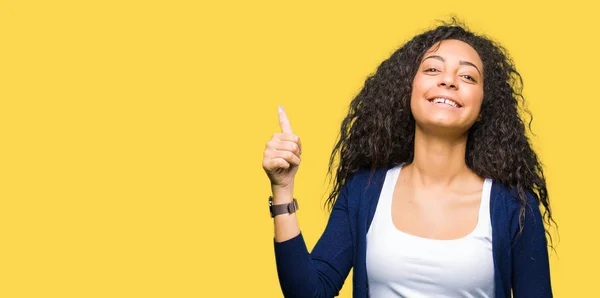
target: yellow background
132 132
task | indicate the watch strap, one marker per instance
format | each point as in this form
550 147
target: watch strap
290 207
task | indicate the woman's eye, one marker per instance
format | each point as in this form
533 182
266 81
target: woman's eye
468 77
431 69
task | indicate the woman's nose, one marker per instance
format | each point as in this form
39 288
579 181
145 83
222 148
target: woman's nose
448 81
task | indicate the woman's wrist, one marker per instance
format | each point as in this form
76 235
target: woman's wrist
282 194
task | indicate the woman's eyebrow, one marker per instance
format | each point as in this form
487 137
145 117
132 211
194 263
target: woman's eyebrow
461 61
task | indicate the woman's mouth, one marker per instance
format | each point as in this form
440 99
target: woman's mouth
446 101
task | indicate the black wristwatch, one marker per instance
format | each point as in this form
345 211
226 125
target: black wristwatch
282 208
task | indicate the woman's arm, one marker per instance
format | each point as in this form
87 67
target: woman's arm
286 225
322 272
530 264
301 274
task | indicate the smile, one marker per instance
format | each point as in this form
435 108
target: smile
445 101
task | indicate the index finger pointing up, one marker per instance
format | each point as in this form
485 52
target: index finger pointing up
284 122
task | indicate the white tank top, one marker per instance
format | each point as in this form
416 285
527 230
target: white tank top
404 265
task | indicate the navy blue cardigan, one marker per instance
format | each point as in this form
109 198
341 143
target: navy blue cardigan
521 265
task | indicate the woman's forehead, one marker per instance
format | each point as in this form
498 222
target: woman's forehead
454 49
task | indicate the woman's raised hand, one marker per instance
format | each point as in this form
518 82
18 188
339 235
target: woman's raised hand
282 155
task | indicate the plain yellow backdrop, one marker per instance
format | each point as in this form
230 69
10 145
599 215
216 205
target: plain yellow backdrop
132 132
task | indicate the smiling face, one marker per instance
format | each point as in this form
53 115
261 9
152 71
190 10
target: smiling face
447 90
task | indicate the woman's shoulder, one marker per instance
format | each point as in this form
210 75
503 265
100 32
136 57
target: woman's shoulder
365 186
505 200
509 196
365 177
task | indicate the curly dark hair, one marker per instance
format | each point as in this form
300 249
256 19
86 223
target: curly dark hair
379 129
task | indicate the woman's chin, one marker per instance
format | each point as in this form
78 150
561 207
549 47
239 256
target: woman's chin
442 126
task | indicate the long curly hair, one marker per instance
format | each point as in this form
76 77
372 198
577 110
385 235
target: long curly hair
379 129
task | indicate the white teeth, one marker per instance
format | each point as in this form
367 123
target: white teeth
446 101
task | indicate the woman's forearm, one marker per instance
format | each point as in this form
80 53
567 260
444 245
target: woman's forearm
286 225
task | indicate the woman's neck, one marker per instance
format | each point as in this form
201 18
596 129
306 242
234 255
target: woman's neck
439 162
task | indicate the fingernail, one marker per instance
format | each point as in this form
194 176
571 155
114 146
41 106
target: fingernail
279 108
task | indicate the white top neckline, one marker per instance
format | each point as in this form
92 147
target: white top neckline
483 207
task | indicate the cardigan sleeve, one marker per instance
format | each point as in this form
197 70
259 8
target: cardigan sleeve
531 270
322 272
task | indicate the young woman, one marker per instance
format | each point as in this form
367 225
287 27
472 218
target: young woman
437 191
